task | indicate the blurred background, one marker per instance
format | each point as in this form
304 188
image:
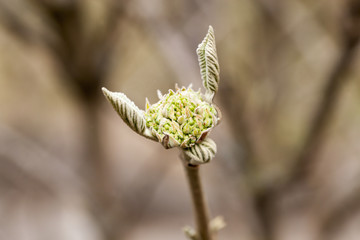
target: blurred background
288 146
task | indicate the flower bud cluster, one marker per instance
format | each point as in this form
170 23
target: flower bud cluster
181 118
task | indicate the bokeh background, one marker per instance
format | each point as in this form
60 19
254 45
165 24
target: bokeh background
287 165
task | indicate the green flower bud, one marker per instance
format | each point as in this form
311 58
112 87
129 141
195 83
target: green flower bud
186 129
181 119
178 115
208 122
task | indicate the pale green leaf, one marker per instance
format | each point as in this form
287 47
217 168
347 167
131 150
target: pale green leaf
208 61
128 111
201 152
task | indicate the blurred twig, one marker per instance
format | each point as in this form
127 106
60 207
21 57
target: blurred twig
332 91
321 121
25 155
82 48
341 215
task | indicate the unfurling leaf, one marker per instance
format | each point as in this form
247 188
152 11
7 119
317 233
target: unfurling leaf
208 61
201 152
128 111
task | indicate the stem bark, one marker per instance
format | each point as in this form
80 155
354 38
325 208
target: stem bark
199 203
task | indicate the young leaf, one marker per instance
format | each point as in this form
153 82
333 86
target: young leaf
128 111
202 152
208 61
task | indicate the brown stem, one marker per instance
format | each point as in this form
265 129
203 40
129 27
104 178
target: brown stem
199 204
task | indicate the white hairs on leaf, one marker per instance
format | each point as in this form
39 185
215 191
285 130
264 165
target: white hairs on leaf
208 61
128 111
201 152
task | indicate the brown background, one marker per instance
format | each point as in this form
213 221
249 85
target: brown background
287 165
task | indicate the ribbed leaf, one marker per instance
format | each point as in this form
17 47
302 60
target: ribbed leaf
208 61
202 152
128 111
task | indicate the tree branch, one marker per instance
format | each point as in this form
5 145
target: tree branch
331 94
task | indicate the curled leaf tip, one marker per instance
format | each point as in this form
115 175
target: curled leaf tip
201 152
105 91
